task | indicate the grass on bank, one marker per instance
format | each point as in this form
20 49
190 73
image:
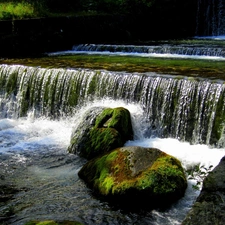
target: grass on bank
184 67
13 10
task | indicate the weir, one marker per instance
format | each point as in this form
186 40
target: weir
184 108
153 49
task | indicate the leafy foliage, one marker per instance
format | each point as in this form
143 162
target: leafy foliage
17 9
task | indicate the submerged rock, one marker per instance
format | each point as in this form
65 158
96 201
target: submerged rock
101 130
136 177
209 207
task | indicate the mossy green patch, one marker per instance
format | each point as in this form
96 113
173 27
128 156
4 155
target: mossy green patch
16 10
111 175
186 67
117 118
218 125
103 118
102 132
99 173
165 176
103 140
48 222
11 84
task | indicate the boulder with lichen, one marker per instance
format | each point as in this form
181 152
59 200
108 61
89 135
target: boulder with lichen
136 176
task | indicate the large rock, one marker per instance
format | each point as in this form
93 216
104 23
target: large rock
209 207
101 130
136 177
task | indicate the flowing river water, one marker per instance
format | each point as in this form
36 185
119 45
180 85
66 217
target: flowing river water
179 114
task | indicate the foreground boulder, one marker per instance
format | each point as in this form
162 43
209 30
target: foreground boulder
136 177
101 130
209 207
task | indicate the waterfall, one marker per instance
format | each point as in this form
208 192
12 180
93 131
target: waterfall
210 18
154 49
173 50
184 108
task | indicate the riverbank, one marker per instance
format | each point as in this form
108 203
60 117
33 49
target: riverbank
35 36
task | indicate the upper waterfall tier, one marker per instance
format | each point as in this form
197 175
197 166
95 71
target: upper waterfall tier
156 49
183 108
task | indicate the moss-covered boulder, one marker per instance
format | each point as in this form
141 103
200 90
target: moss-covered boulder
100 131
136 176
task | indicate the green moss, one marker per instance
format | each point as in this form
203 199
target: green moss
72 94
102 140
25 100
93 84
11 84
103 179
103 117
121 115
112 177
218 126
13 10
48 222
111 156
117 118
51 97
164 176
108 184
185 67
46 93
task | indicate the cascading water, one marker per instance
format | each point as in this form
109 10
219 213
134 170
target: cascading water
186 109
185 50
40 106
191 50
210 18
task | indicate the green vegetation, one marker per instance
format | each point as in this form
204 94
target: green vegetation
110 130
165 176
111 175
102 177
18 9
102 140
189 67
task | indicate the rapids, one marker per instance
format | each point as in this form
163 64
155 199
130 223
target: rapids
33 157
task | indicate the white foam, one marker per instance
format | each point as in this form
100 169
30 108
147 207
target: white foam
29 134
218 37
150 55
189 155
